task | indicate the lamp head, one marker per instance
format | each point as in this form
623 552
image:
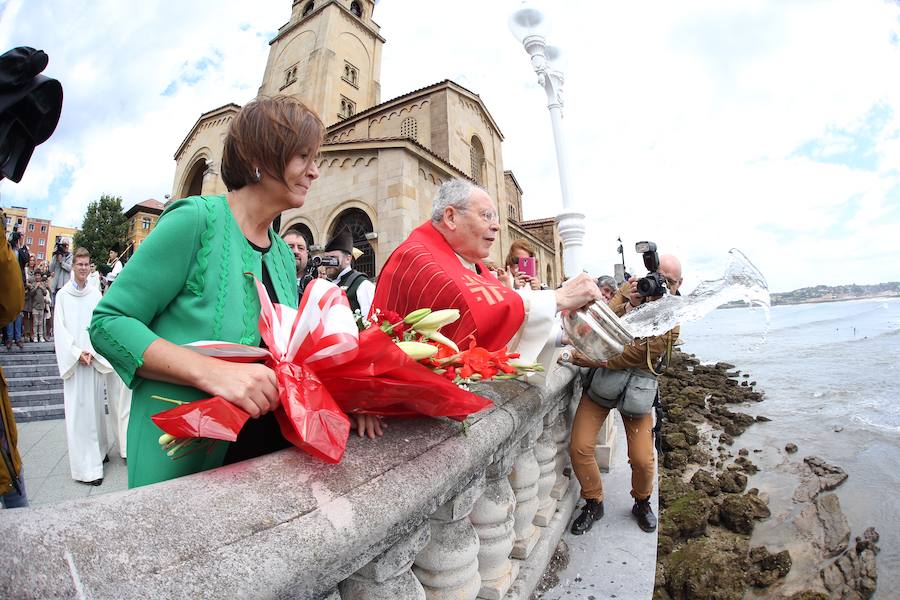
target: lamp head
527 21
556 59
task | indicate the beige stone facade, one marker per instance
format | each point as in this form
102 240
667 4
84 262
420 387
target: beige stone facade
381 163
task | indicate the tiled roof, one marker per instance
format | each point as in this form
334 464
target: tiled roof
151 205
536 222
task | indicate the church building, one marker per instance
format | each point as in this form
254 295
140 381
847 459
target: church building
381 162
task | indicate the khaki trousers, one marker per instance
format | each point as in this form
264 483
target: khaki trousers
589 419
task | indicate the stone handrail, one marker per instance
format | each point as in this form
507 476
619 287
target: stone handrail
423 512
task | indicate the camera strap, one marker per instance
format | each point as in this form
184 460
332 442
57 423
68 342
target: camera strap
666 357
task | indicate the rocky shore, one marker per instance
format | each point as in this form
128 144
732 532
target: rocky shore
707 514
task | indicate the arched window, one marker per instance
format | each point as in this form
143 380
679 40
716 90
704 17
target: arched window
409 128
549 280
476 157
348 108
351 74
359 224
356 9
308 8
193 183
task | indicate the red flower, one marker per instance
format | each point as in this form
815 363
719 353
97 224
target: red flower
392 323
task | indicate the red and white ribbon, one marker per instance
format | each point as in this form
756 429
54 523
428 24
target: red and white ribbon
321 333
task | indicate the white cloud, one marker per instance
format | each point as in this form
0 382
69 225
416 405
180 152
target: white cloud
701 125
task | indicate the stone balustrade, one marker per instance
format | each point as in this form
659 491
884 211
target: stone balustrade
427 511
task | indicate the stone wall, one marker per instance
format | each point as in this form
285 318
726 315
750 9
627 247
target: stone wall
424 512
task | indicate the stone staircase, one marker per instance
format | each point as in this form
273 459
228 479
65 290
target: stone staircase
35 387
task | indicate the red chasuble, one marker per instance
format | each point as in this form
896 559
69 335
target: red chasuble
424 272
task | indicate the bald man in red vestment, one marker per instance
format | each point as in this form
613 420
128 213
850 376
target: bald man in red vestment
439 266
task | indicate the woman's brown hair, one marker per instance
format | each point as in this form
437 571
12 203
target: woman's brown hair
268 133
524 245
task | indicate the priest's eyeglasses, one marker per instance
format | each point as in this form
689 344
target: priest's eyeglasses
488 216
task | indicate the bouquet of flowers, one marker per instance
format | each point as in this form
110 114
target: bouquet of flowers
326 368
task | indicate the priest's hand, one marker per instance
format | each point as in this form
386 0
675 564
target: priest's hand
251 387
85 359
369 426
577 292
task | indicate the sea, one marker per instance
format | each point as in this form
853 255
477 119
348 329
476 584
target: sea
830 374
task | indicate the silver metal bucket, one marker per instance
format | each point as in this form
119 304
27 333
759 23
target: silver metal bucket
596 331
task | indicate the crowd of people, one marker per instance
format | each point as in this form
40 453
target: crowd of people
56 303
129 341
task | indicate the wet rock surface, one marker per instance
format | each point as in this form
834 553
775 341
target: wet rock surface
707 518
852 575
817 476
766 568
833 522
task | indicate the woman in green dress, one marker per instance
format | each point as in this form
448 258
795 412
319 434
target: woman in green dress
187 283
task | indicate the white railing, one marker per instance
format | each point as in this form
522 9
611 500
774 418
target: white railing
424 512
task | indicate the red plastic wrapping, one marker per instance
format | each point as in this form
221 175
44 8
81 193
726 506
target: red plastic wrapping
384 381
308 416
214 418
321 376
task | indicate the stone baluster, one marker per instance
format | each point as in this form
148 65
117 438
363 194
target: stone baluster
561 439
492 517
388 576
448 566
524 481
545 454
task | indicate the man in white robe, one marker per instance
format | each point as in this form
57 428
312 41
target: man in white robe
83 371
119 398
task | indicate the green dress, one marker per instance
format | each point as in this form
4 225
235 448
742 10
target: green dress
186 283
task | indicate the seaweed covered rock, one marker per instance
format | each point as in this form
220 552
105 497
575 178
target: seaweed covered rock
738 512
671 489
766 568
809 595
708 569
687 516
705 482
732 482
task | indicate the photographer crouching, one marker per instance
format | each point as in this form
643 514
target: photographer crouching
627 382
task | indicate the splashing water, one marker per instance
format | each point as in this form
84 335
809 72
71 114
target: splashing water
742 282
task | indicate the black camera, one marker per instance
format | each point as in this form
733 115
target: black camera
321 261
312 268
653 284
59 248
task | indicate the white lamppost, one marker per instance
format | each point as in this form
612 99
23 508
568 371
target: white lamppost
528 25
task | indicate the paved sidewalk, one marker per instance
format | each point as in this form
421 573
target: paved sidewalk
615 559
45 460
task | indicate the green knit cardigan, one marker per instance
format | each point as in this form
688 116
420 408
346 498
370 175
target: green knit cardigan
186 282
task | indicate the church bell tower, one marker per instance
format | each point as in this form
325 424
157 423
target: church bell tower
329 56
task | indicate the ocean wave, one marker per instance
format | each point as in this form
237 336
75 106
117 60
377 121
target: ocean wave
869 423
843 318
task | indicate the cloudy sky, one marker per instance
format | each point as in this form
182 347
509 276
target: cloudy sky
767 125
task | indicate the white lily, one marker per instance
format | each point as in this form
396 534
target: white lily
417 350
436 320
